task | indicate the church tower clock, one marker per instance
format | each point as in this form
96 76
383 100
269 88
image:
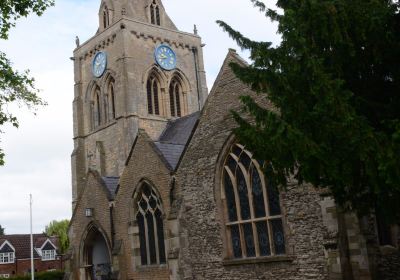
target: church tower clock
137 71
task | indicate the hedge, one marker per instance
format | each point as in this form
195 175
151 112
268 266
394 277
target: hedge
48 275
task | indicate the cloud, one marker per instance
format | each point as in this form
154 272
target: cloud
38 153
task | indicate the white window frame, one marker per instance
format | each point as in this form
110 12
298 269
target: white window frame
7 258
4 275
48 255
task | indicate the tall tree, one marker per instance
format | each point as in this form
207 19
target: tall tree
60 229
335 82
16 87
1 230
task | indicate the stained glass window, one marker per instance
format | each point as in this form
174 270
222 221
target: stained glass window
252 206
151 229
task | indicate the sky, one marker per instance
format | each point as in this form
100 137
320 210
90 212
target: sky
38 152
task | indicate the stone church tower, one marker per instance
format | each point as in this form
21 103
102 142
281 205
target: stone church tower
137 72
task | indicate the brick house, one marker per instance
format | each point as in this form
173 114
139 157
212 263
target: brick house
163 190
15 254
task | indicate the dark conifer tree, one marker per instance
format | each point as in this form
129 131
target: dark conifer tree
335 80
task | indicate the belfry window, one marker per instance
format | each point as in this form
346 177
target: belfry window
155 13
254 226
151 230
111 99
106 17
175 98
153 93
96 109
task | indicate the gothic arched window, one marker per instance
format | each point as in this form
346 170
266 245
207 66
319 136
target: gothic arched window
153 94
106 17
111 98
175 98
96 107
155 13
254 225
151 230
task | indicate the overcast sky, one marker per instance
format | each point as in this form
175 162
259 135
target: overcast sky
38 153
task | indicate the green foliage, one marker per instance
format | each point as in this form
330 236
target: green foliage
48 275
335 80
11 10
60 229
16 87
1 230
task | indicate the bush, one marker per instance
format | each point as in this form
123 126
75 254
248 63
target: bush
48 275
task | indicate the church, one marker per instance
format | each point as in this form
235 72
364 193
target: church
162 189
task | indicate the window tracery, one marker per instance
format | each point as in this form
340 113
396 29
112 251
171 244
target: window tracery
111 99
155 13
175 98
151 230
106 17
254 225
96 108
153 95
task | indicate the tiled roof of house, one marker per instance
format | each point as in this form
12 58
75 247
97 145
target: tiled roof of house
176 135
22 243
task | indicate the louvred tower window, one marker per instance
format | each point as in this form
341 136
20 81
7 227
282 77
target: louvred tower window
175 98
155 13
153 93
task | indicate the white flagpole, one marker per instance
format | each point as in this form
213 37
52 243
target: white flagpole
32 264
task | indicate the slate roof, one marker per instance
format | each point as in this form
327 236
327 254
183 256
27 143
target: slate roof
175 137
111 184
22 243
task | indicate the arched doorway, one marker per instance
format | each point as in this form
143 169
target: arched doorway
96 256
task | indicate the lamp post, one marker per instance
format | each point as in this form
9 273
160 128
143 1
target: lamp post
32 263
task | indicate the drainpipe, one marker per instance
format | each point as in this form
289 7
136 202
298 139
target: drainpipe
112 224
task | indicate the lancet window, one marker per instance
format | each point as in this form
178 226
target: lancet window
151 230
175 98
111 99
96 108
106 17
153 95
253 216
155 13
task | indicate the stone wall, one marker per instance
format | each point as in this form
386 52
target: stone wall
202 252
129 43
93 196
144 165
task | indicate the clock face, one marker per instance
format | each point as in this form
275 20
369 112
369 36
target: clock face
165 57
99 64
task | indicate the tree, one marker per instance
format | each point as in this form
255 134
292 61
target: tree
16 87
335 82
60 229
1 230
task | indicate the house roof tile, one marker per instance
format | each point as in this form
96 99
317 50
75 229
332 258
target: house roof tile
22 243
